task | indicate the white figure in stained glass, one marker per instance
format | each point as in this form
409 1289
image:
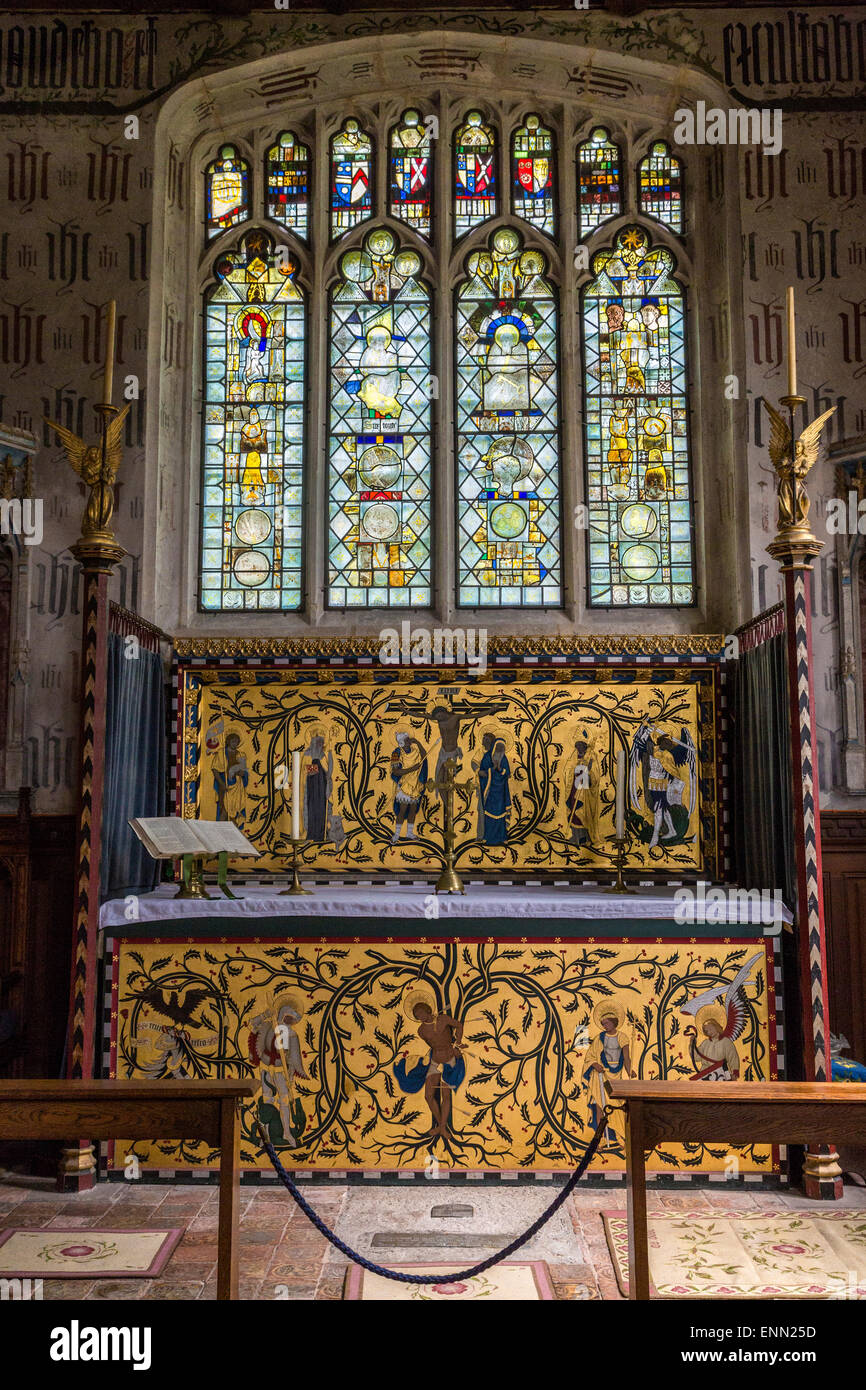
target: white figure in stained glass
507 441
380 380
379 488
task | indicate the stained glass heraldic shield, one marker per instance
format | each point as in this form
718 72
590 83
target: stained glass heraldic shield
507 385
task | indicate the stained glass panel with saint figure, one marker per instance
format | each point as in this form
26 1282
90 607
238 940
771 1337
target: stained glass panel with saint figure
252 495
379 436
508 507
287 184
351 178
474 174
411 171
532 174
227 192
599 187
636 424
660 187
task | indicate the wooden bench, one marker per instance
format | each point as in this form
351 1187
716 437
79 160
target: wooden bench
207 1110
729 1112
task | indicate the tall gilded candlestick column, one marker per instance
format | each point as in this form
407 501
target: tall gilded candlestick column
795 547
97 552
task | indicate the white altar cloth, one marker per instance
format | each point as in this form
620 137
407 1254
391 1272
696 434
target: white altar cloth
394 901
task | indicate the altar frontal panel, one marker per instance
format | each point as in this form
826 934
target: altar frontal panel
464 1055
535 752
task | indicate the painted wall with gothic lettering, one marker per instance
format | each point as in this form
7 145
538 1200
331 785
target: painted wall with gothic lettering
79 100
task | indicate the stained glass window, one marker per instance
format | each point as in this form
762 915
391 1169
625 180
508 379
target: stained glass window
599 186
379 437
532 174
227 191
659 179
411 172
635 419
287 184
474 174
351 178
507 429
253 431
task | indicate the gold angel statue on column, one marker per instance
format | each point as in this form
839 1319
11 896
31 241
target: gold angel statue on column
97 469
791 471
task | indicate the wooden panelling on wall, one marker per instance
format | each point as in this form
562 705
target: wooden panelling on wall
843 849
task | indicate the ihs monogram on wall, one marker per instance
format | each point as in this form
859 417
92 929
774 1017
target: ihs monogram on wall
535 752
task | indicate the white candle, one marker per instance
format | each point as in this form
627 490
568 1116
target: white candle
620 795
792 344
296 795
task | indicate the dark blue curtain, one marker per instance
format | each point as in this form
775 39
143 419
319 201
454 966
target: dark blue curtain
763 814
135 755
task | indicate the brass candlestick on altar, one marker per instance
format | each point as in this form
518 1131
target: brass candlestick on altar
619 884
193 886
446 786
296 888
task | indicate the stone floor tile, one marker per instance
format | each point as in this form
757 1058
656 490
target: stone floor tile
165 1290
61 1289
126 1289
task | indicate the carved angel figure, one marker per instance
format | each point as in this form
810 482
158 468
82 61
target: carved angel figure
86 461
793 499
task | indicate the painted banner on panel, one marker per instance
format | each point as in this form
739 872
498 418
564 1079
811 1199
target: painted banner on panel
466 1054
535 753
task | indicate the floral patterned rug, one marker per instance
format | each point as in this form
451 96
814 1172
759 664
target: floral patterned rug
506 1282
75 1253
755 1254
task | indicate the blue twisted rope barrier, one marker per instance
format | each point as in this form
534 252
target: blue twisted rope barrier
400 1276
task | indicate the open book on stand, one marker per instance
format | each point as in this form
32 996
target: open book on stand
169 837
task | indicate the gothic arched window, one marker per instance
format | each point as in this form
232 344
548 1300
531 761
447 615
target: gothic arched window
351 178
252 501
287 184
636 427
379 429
227 192
660 191
599 181
507 425
412 172
533 175
475 181
375 425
